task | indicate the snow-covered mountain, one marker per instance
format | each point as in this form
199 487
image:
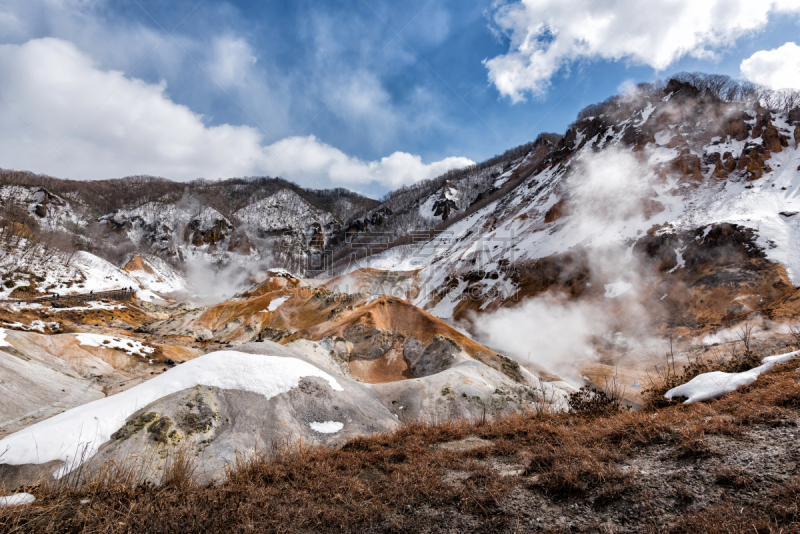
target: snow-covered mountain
285 213
633 180
655 187
169 227
669 212
238 221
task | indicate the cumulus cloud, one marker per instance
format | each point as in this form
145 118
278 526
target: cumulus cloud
778 68
317 158
548 35
103 124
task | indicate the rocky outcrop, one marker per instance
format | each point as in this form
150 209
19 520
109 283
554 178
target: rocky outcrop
773 141
203 234
445 204
218 426
722 240
368 343
44 199
688 165
737 128
681 90
373 219
439 355
240 243
752 162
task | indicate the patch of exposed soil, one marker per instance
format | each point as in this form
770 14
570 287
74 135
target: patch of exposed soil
391 367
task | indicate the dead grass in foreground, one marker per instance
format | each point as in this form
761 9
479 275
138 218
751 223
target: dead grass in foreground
372 483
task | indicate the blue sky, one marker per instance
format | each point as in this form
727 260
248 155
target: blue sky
363 94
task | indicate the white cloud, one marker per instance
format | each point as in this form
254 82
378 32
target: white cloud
115 126
548 35
778 68
231 62
215 47
297 156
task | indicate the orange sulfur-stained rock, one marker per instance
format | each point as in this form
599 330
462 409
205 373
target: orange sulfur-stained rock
773 140
137 263
754 164
688 164
737 128
556 212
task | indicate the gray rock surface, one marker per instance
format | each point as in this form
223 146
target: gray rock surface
215 428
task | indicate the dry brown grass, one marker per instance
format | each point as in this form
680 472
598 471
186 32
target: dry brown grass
371 483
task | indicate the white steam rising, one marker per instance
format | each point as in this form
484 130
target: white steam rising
213 284
548 332
610 197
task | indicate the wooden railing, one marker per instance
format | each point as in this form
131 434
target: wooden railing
116 294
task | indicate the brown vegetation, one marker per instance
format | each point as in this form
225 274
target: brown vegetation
409 481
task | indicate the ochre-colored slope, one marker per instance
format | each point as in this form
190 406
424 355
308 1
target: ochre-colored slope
315 314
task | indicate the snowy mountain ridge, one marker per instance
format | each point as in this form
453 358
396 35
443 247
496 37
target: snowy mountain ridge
654 164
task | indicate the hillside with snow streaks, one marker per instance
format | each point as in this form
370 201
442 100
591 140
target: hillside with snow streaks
50 211
281 211
655 165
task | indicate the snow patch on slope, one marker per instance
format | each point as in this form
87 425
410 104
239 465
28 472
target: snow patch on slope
130 346
16 500
36 325
102 275
275 304
617 288
164 279
3 342
328 427
715 384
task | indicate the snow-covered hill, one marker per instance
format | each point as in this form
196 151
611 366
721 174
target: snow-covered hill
49 211
654 166
285 213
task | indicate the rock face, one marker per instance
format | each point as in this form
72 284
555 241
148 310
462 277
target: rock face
229 222
209 234
50 211
218 427
681 90
702 212
172 230
445 204
45 201
287 214
439 355
282 221
556 212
